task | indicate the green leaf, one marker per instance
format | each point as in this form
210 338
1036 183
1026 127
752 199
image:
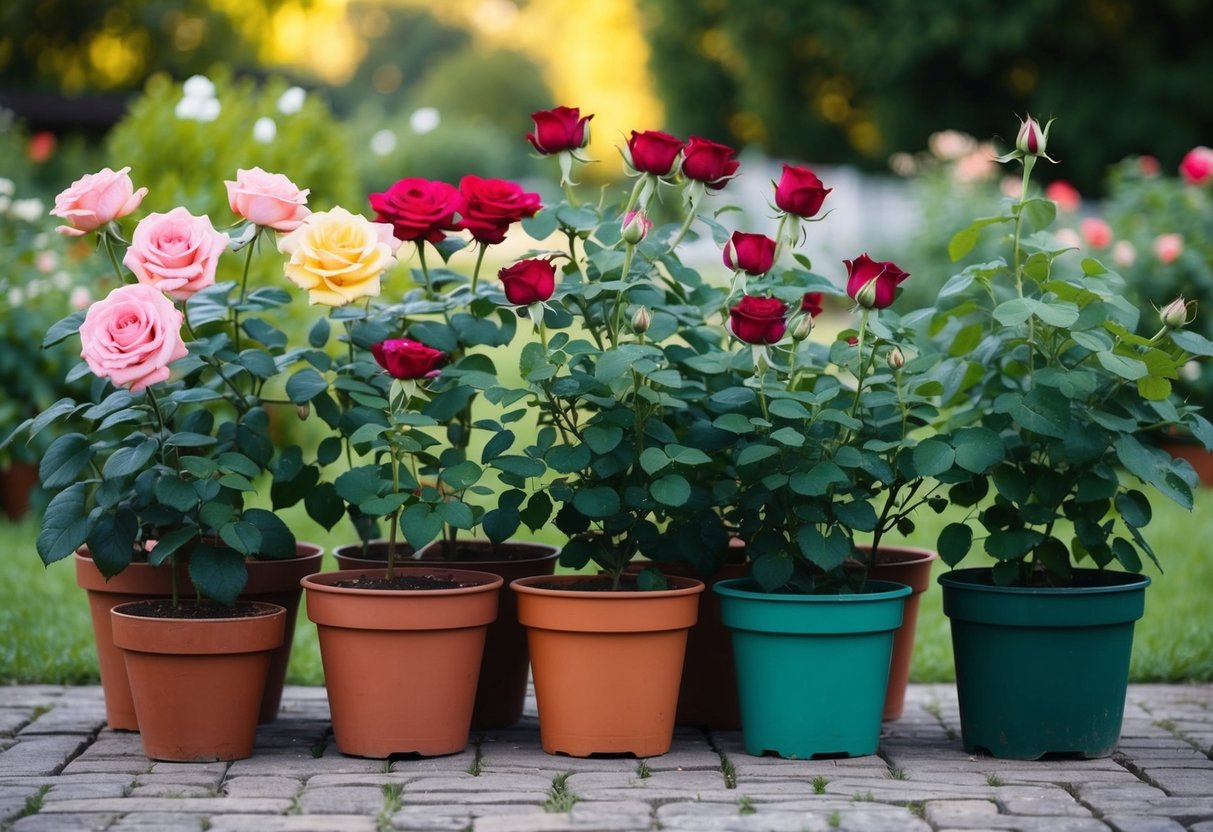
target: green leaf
323 505
63 328
603 439
671 490
1044 411
1015 311
258 362
189 439
962 243
653 460
277 540
168 544
495 447
1153 388
817 481
1128 368
977 449
1192 342
67 456
318 335
112 540
463 474
824 552
955 540
1039 213
500 524
1057 313
242 536
771 571
420 525
519 466
176 493
218 573
1012 545
359 484
858 515
788 436
683 455
933 456
567 459
305 385
755 453
1153 470
651 580
1126 554
597 503
65 524
538 511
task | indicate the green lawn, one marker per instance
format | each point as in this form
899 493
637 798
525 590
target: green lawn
46 635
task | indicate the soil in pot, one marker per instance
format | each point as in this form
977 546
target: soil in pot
197 674
505 667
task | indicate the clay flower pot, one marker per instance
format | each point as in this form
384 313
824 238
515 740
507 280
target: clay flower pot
274 582
607 665
17 482
401 665
912 567
197 683
505 667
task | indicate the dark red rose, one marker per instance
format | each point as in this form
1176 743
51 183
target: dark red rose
758 320
492 205
653 152
419 209
405 359
562 128
708 162
811 303
753 254
800 192
528 281
883 278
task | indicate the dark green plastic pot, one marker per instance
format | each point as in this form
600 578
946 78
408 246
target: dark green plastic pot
811 669
1042 670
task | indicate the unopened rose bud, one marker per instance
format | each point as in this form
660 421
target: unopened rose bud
803 328
1175 314
896 359
636 227
642 320
1031 140
305 410
866 296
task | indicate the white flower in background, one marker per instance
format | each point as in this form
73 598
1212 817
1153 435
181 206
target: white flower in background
34 289
1124 254
46 261
15 298
264 130
5 201
62 281
198 102
291 101
27 210
80 298
383 142
423 120
6 186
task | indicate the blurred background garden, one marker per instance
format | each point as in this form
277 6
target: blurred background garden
899 106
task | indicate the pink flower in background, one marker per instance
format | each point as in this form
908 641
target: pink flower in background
46 261
132 336
1149 165
1168 247
267 199
1064 194
176 253
80 298
96 199
1096 232
1067 238
1124 254
1197 165
41 146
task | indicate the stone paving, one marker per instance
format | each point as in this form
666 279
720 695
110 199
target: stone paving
62 769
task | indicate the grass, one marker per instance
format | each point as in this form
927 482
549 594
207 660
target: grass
49 639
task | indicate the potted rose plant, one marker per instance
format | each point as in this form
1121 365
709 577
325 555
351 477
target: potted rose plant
1047 367
177 436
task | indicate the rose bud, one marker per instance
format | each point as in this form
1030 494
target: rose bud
871 284
561 128
1175 314
636 226
895 359
404 359
803 328
800 192
708 162
642 319
653 151
758 320
528 281
1031 140
811 303
753 254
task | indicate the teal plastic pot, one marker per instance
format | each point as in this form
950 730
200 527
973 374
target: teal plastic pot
811 669
1042 670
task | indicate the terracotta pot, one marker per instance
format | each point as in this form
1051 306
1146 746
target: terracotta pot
707 695
912 567
197 683
17 482
607 665
401 665
274 582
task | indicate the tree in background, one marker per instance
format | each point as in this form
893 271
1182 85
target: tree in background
855 81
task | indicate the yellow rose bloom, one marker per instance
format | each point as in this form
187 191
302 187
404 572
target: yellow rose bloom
338 257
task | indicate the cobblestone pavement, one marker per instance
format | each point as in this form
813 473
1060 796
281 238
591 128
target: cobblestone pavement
61 769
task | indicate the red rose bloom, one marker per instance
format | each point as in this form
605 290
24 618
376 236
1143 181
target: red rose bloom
404 359
1197 166
418 209
708 162
811 303
753 254
562 128
528 281
492 205
884 277
800 192
757 320
653 152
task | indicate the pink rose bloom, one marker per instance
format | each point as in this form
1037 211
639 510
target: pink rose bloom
1067 238
1096 232
175 252
96 199
1064 194
267 199
1124 254
1168 247
132 336
1197 166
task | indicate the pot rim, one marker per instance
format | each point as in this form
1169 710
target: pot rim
323 582
884 590
551 551
681 586
269 611
967 579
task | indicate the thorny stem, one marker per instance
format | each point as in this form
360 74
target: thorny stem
160 428
629 253
109 247
248 262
